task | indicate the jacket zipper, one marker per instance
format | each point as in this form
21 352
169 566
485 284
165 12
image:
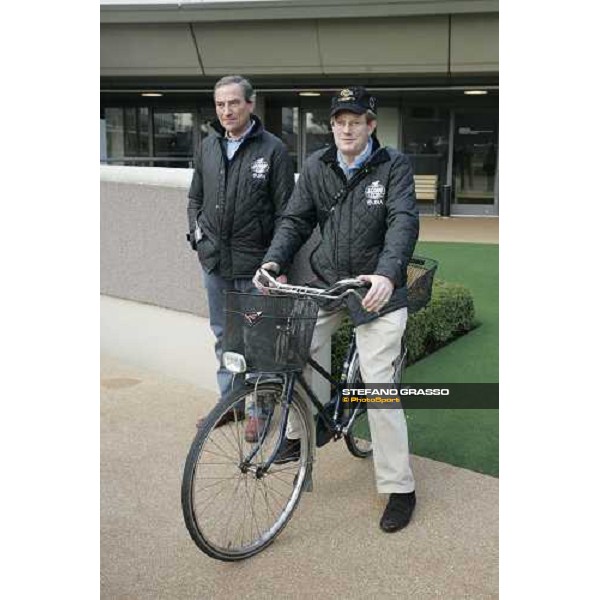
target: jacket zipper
335 228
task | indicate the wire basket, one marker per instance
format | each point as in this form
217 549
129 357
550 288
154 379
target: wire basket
272 332
420 274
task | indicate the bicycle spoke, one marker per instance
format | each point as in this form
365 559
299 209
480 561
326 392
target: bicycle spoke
233 505
279 504
209 503
259 530
273 489
205 449
292 466
213 441
235 450
265 497
242 526
251 505
283 480
219 480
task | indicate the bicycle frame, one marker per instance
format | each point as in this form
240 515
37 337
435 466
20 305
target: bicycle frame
332 423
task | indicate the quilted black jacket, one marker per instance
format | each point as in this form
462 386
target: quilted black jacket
369 224
238 202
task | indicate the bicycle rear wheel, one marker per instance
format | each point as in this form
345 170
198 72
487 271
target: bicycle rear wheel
232 510
358 436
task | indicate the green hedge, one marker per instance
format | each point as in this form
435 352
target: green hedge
449 314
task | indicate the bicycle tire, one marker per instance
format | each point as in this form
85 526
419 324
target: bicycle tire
358 436
204 519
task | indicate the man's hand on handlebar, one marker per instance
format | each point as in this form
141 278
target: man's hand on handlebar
260 282
377 297
379 294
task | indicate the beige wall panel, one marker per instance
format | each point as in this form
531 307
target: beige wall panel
474 46
267 47
146 49
392 45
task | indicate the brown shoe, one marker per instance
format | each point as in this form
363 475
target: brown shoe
254 428
228 417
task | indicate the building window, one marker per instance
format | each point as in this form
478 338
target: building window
475 156
173 134
425 139
115 141
290 132
317 130
144 136
136 132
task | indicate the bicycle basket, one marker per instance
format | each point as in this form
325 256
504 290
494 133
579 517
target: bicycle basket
420 274
272 332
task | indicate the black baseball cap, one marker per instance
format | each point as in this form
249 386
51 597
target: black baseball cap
354 99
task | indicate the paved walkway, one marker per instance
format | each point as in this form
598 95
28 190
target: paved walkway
332 547
482 230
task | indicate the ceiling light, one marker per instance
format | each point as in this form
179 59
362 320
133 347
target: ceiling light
309 94
475 92
151 94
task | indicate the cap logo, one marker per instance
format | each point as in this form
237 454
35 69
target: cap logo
346 95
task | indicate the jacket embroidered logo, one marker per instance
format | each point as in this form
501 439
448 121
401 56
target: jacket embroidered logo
253 317
259 168
375 193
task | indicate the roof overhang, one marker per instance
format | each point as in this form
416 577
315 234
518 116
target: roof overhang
159 11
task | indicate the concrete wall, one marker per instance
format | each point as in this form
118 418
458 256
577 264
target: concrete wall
144 255
154 308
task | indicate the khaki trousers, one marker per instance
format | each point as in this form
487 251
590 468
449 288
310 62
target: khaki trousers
379 345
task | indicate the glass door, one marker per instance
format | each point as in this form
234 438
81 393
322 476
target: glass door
425 139
316 132
173 138
475 160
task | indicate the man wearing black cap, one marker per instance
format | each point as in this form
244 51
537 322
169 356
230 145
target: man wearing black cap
362 197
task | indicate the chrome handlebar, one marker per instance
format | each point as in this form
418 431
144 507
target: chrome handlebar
337 291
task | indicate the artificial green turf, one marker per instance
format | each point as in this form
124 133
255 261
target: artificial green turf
465 438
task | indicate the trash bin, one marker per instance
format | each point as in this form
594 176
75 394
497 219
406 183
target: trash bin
445 199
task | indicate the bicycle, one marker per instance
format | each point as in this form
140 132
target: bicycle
267 339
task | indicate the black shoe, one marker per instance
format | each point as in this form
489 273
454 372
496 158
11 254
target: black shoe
289 451
398 512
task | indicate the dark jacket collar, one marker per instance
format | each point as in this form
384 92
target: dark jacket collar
256 130
378 155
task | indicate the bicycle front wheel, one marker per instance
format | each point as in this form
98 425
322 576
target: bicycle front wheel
233 508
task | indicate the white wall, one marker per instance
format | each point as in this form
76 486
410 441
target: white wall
177 344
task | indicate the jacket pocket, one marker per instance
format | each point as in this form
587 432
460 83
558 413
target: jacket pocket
208 253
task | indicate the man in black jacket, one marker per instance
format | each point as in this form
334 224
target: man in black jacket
242 180
362 197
